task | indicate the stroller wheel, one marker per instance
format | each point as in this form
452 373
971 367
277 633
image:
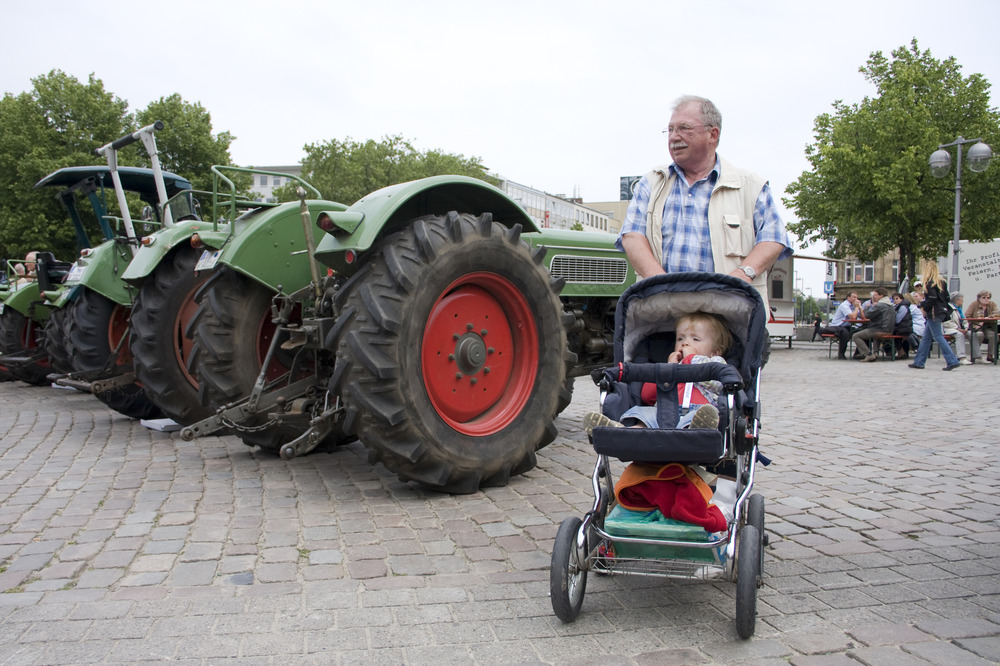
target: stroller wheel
748 579
755 517
567 576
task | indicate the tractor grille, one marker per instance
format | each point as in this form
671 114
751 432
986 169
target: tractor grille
602 270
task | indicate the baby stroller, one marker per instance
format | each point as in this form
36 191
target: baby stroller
608 543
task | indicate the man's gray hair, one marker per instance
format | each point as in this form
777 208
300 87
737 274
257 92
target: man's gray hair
709 112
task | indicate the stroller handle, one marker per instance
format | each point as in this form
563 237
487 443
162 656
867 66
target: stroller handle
668 374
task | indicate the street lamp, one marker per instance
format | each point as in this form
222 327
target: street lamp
979 159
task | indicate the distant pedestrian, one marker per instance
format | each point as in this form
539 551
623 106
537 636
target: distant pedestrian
937 309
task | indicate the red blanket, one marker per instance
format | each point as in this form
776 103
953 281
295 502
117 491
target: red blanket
675 489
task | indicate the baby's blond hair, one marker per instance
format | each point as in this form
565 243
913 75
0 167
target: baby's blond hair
723 338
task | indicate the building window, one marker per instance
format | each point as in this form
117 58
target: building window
263 181
855 271
895 271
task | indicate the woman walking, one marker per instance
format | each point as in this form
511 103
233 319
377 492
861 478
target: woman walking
937 308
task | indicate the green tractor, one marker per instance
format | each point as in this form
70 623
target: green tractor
173 265
27 320
32 320
428 326
96 308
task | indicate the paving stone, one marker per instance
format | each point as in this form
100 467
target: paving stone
944 654
814 643
987 647
960 628
889 634
886 656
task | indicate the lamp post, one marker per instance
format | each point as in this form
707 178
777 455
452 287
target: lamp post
798 296
979 159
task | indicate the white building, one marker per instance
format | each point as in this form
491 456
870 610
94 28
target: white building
555 211
264 185
547 210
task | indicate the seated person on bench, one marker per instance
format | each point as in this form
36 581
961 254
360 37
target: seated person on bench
882 318
847 313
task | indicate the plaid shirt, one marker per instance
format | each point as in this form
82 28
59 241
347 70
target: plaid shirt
686 240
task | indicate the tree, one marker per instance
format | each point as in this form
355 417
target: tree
870 190
347 170
59 123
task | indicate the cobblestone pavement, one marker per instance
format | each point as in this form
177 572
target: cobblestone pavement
122 545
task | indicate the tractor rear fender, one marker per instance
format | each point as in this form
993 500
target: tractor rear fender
159 244
387 210
101 271
269 245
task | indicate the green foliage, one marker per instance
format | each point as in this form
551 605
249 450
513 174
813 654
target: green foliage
59 123
870 190
347 170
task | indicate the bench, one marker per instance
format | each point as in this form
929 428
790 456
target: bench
948 337
831 338
891 339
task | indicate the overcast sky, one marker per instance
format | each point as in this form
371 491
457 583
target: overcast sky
564 96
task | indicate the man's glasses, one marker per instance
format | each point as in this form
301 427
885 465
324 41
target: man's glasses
683 130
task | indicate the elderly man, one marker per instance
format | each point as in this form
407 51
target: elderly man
701 213
881 319
26 271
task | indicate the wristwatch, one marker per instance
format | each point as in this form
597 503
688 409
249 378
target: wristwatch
750 273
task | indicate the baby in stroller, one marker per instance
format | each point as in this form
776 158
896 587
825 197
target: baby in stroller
656 322
701 337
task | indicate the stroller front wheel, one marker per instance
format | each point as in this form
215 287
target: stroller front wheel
748 578
755 517
567 575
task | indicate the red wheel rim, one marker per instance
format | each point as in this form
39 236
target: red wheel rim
182 343
265 333
479 354
118 329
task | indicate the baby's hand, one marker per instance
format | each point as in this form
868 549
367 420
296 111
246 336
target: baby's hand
675 357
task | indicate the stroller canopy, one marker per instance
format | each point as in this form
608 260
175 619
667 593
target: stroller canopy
649 310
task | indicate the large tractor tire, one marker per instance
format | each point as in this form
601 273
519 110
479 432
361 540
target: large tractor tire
232 332
94 327
55 342
451 353
18 335
160 346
